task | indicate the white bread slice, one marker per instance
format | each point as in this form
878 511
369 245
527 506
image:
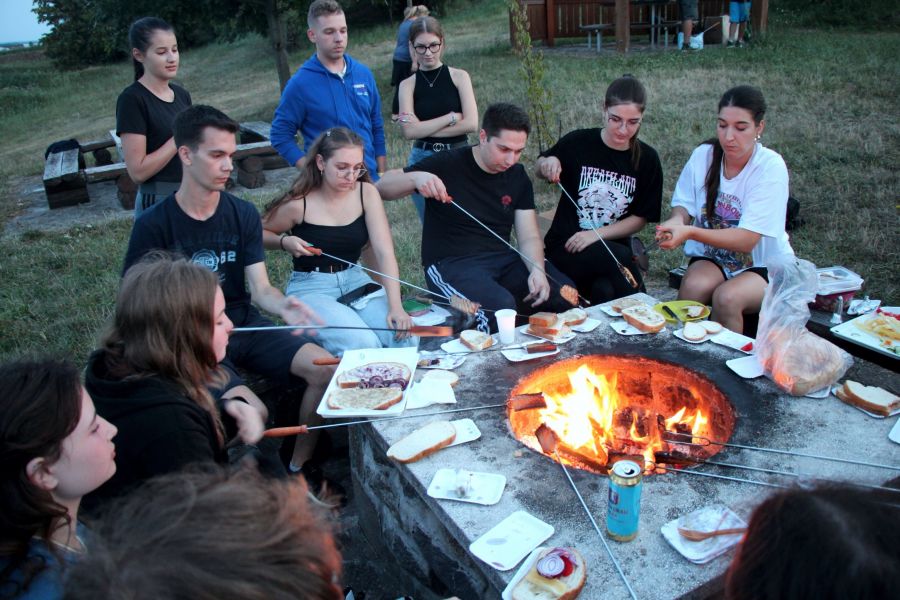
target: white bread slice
364 398
623 303
534 586
574 316
644 318
712 327
354 377
556 332
441 375
693 311
543 319
694 331
475 340
874 399
423 441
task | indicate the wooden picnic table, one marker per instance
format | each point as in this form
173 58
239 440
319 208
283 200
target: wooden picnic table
623 23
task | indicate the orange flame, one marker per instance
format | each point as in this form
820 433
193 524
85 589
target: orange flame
585 419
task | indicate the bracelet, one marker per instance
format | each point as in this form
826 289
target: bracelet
281 241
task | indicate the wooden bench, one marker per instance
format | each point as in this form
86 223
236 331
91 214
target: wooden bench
653 28
64 182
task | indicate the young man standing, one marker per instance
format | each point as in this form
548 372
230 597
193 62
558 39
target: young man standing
459 255
331 89
224 234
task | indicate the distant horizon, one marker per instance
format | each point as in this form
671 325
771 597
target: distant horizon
18 25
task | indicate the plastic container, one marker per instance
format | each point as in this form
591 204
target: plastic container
836 282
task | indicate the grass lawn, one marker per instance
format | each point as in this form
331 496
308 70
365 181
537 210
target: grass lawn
833 116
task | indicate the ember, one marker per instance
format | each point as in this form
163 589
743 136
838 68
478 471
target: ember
605 407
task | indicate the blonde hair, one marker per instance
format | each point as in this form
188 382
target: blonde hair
417 10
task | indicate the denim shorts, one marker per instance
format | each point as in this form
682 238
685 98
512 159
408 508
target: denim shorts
320 292
739 12
416 155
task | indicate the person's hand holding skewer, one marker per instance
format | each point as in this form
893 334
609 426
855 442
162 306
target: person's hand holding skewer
295 246
249 422
671 234
431 186
538 287
551 169
399 319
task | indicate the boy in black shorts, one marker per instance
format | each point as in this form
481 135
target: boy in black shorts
224 234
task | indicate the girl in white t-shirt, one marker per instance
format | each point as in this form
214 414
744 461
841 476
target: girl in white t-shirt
729 211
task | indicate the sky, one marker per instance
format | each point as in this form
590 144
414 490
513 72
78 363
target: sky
18 23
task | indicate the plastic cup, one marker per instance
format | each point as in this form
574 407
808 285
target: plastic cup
506 324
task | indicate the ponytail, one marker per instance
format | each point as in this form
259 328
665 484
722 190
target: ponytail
140 35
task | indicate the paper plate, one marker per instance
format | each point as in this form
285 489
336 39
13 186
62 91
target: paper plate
511 540
679 307
481 488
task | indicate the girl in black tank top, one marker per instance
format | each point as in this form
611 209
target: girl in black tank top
333 207
437 103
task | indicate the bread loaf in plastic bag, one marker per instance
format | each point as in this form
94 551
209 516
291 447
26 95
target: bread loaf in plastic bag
798 361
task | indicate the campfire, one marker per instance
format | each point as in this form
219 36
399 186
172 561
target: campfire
603 408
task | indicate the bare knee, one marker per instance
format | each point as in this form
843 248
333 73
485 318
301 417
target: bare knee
302 365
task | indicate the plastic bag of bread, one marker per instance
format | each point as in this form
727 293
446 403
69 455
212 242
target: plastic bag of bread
798 361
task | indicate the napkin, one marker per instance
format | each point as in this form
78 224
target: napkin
428 392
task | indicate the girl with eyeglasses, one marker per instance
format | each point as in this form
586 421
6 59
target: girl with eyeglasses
728 209
437 103
616 181
333 206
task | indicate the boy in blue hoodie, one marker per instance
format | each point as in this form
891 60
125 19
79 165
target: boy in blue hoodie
330 90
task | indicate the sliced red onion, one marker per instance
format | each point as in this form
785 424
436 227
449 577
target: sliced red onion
551 566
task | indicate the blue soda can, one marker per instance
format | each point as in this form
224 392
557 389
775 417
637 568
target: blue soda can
624 509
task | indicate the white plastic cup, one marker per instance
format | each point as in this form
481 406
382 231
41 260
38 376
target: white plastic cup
506 325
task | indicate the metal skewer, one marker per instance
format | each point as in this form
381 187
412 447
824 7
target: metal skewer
517 251
628 275
298 429
548 440
775 451
418 330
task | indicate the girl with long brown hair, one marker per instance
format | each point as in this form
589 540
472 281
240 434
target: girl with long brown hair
616 180
152 374
729 210
334 207
54 449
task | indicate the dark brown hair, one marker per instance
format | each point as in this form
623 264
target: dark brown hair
207 534
140 35
328 142
321 8
503 115
163 327
628 90
189 125
750 99
831 542
425 25
40 405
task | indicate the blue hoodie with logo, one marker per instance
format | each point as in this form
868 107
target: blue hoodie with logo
316 99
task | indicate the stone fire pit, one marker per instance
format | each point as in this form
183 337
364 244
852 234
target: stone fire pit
429 538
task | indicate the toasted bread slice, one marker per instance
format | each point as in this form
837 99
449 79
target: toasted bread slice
574 316
552 334
693 311
623 303
694 331
712 327
543 319
873 399
475 340
644 318
535 586
423 441
442 375
364 398
376 374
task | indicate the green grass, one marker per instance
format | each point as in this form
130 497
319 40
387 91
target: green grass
833 116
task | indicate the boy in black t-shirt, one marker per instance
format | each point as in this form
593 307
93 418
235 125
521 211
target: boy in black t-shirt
224 234
459 255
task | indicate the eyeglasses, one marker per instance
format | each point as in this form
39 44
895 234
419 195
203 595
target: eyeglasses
422 48
615 121
352 172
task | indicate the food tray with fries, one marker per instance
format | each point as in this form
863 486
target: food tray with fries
879 330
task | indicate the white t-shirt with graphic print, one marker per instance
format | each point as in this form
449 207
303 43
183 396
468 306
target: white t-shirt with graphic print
755 200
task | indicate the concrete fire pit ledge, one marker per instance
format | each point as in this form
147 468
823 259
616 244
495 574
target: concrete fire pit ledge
429 539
